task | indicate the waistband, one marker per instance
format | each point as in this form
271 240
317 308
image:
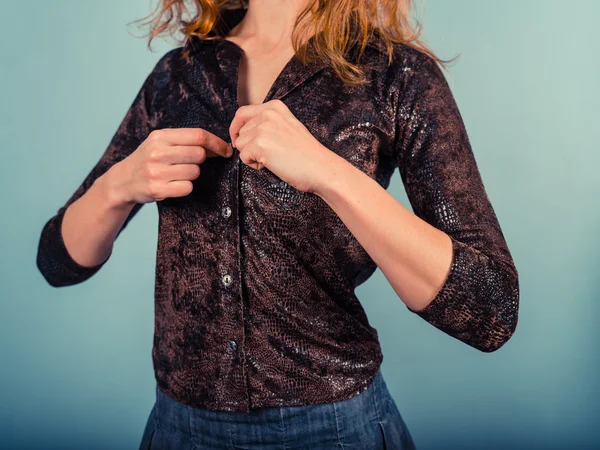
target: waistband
372 403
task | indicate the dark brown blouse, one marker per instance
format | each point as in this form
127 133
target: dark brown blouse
255 280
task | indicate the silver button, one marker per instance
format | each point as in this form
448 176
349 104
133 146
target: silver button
226 211
232 345
227 279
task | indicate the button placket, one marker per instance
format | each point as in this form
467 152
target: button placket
227 278
230 281
238 245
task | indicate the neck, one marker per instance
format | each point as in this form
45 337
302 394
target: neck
269 22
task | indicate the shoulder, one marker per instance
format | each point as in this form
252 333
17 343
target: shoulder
172 63
169 61
183 54
412 66
405 58
398 81
171 56
158 85
423 78
408 66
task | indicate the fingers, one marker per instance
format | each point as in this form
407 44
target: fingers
249 125
242 115
176 180
245 113
181 172
246 137
192 137
178 189
186 154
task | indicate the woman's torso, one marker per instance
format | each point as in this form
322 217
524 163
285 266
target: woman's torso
255 280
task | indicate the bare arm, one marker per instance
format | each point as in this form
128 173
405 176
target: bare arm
91 218
92 223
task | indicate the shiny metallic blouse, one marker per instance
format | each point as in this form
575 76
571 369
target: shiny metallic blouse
255 280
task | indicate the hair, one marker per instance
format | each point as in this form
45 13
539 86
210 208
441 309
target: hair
340 26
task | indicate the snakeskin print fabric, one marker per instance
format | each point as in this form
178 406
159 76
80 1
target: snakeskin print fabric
255 281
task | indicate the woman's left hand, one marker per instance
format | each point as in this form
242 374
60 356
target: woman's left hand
269 135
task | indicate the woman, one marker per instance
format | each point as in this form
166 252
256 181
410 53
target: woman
267 142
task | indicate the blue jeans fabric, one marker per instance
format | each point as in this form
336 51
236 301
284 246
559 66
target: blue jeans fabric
367 421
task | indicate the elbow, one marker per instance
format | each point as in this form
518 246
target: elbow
46 260
59 275
479 307
501 321
498 336
53 282
46 270
54 261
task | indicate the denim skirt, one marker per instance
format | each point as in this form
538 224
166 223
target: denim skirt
368 421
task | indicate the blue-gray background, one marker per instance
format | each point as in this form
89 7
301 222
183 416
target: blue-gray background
76 369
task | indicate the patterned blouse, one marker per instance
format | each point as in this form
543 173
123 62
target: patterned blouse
255 281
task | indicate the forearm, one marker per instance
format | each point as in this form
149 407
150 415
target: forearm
448 261
90 224
414 256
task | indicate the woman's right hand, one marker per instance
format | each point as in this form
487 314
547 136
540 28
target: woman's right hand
164 165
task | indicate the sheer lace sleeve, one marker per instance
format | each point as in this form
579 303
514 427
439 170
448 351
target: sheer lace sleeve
478 302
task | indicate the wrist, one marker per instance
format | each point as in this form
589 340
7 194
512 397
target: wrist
333 172
112 189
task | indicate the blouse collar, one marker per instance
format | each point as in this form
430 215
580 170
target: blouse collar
228 55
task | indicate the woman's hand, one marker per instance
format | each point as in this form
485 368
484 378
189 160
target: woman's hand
164 165
269 135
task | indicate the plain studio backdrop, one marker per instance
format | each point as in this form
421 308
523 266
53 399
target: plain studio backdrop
76 369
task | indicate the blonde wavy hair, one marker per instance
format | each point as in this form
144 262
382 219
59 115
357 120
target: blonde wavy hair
338 26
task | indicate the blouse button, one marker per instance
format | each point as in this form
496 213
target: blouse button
226 211
227 279
232 345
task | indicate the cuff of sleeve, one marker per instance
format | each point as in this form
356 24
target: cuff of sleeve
478 302
63 269
452 287
65 256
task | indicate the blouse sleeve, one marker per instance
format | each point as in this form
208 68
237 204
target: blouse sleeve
478 302
53 260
